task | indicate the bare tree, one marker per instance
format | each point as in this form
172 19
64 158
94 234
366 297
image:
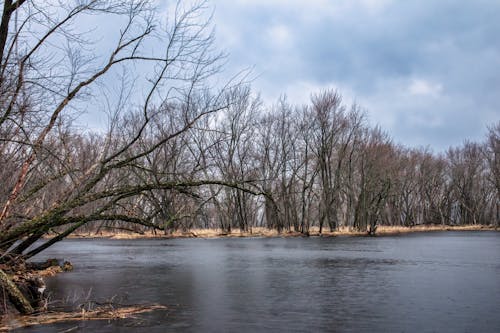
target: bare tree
467 169
306 175
39 94
493 157
328 122
375 180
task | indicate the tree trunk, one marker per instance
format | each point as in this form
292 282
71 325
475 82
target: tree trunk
15 295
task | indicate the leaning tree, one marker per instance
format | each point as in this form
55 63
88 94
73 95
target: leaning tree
144 74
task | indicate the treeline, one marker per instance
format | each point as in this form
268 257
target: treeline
324 166
317 165
282 167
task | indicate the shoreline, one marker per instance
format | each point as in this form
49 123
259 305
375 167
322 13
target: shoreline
261 232
11 320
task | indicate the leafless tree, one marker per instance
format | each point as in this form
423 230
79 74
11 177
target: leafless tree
493 157
376 174
328 123
42 85
232 155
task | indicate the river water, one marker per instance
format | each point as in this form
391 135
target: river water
426 282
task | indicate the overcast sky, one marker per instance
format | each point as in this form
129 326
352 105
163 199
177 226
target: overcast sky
428 72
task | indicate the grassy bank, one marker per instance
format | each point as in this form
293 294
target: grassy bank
264 232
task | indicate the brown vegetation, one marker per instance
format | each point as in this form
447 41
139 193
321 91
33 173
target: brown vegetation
106 312
265 232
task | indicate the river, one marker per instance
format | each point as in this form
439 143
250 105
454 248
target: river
425 282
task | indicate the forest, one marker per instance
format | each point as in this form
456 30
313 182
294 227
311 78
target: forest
176 151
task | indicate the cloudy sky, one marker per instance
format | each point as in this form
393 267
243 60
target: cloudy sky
426 71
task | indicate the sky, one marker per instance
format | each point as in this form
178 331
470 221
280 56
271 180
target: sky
427 72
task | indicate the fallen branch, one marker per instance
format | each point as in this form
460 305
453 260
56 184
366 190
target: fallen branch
100 313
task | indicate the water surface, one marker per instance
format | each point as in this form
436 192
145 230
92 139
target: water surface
428 282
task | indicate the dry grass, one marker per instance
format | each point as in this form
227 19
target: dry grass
50 271
193 233
427 228
264 232
102 313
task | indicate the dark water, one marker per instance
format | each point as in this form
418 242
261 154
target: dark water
435 282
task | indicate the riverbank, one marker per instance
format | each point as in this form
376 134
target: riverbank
28 281
264 232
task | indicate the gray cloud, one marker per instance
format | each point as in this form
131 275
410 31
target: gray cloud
427 71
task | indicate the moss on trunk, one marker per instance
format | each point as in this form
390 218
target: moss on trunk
16 297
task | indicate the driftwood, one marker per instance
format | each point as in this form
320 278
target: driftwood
100 313
49 264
